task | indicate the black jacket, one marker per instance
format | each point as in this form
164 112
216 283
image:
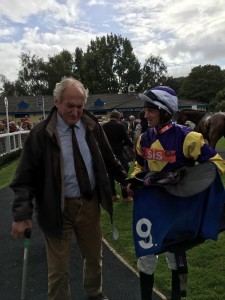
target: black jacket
117 135
40 173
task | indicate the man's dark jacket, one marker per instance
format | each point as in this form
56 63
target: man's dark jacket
40 173
117 135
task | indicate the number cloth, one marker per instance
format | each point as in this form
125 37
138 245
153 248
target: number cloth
162 222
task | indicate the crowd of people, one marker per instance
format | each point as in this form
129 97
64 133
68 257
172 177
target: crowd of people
133 125
69 165
13 127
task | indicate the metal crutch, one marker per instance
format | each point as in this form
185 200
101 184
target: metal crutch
27 236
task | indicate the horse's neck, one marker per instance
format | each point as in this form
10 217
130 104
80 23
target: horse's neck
195 117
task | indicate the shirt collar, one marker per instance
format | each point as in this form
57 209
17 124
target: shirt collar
78 124
63 126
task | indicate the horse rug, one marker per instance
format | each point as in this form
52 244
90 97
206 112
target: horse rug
165 221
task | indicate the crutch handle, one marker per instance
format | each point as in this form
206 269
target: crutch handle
27 233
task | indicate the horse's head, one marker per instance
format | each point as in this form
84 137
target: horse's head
181 118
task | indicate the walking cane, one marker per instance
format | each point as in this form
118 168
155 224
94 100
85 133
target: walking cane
27 235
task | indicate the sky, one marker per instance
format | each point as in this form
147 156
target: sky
184 33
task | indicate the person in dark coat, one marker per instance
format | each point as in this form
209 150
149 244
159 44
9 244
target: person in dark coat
48 173
118 136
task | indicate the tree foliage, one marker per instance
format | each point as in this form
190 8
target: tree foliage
175 83
30 78
77 65
218 104
8 88
109 65
203 83
56 68
153 73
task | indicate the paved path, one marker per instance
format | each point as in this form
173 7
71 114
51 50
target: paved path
119 281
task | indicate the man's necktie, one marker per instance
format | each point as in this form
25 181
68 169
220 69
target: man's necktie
80 168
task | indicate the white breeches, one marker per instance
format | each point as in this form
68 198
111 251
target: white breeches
147 264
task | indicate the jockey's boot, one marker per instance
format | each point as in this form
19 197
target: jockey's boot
146 285
176 292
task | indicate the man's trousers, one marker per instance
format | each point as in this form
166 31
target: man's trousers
81 217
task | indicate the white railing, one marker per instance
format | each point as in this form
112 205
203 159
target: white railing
10 142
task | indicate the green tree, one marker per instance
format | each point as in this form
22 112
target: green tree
110 64
37 77
127 67
175 83
29 81
58 66
77 65
153 72
218 104
30 77
203 83
97 66
8 88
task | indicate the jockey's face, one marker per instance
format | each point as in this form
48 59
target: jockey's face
153 116
70 108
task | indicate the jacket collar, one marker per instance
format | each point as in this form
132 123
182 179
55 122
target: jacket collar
88 119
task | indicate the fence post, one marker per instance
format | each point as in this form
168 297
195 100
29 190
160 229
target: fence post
20 141
7 144
12 141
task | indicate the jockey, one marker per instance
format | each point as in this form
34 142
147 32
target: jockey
166 146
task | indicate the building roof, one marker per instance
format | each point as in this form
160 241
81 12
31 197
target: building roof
96 103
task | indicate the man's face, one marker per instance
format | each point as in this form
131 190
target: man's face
71 106
153 116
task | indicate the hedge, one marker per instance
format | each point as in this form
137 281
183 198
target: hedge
9 157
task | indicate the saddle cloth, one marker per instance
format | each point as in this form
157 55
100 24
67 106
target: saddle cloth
182 182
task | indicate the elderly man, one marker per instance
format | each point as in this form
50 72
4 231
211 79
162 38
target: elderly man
65 164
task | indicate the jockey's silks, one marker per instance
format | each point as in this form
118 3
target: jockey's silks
168 149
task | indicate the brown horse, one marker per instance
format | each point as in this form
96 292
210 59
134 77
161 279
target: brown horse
211 126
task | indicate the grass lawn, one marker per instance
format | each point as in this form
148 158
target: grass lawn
221 143
206 279
7 173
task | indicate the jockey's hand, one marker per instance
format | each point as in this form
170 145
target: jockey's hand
129 190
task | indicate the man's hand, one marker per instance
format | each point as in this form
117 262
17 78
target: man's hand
130 190
18 228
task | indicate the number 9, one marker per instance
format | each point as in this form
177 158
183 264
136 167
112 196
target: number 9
147 243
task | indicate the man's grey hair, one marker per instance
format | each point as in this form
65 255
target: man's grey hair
65 83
